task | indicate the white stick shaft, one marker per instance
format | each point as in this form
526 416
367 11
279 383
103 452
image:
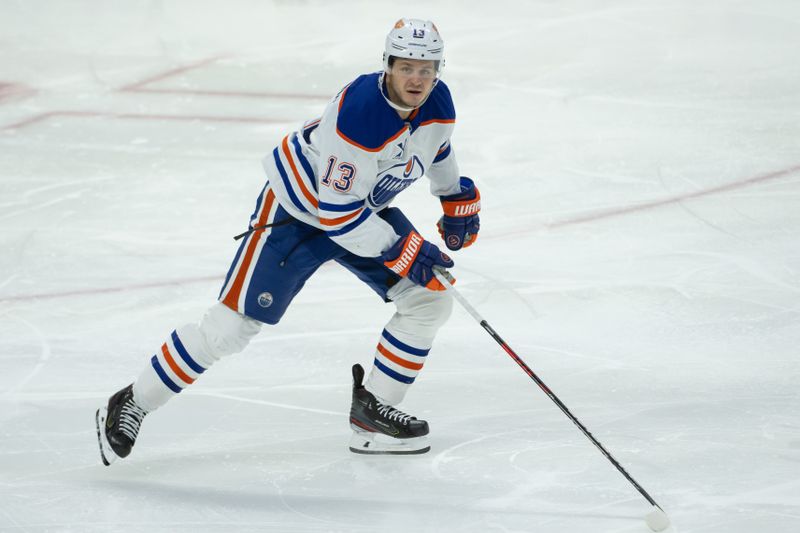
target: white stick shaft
447 280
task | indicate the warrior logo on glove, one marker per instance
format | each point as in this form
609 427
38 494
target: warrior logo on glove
415 258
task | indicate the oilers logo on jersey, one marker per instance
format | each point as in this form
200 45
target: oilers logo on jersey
389 185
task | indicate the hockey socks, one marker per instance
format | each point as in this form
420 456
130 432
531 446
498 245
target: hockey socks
398 360
174 367
189 351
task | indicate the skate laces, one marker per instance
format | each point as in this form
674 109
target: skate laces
130 419
391 413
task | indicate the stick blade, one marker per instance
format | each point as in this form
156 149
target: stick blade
657 519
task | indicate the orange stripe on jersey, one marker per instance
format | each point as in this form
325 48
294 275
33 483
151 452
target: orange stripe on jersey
351 141
310 197
340 220
232 298
437 121
402 362
379 148
174 366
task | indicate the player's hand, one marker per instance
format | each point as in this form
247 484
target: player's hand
460 223
414 257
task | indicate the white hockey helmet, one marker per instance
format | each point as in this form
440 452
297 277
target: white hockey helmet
414 39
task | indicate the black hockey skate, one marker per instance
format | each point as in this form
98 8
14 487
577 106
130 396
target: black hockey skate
118 425
382 429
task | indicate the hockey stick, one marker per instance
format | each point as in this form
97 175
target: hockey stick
657 519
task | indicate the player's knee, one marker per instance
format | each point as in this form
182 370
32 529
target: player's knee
226 332
427 310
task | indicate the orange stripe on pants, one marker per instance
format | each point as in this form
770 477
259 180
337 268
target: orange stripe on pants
232 298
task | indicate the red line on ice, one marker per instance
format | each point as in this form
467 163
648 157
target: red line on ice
141 86
141 116
234 94
136 86
624 210
106 290
10 91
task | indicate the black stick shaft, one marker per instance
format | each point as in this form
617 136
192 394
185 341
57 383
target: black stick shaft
446 280
259 228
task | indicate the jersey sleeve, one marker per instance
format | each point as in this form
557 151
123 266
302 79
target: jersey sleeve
439 117
443 172
346 176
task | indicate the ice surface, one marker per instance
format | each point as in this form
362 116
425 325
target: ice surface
639 163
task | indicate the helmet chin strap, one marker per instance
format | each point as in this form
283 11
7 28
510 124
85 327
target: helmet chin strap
399 107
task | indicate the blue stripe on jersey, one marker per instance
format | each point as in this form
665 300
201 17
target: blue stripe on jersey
163 375
443 155
304 162
308 127
307 132
392 374
438 106
403 346
341 208
286 183
350 227
185 355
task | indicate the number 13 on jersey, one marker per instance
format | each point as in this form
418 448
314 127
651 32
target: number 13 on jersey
345 174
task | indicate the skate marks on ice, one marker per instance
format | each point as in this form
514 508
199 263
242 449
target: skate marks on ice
47 196
45 352
236 459
268 404
539 491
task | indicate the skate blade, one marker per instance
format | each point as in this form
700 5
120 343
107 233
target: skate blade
106 453
379 444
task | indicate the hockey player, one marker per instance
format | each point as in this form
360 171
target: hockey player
329 185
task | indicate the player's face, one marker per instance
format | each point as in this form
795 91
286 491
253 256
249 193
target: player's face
410 80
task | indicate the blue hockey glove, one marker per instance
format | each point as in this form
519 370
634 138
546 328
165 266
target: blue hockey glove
460 223
414 258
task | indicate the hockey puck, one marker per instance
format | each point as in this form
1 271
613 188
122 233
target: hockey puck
657 519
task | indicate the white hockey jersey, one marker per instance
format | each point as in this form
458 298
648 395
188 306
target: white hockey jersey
337 171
